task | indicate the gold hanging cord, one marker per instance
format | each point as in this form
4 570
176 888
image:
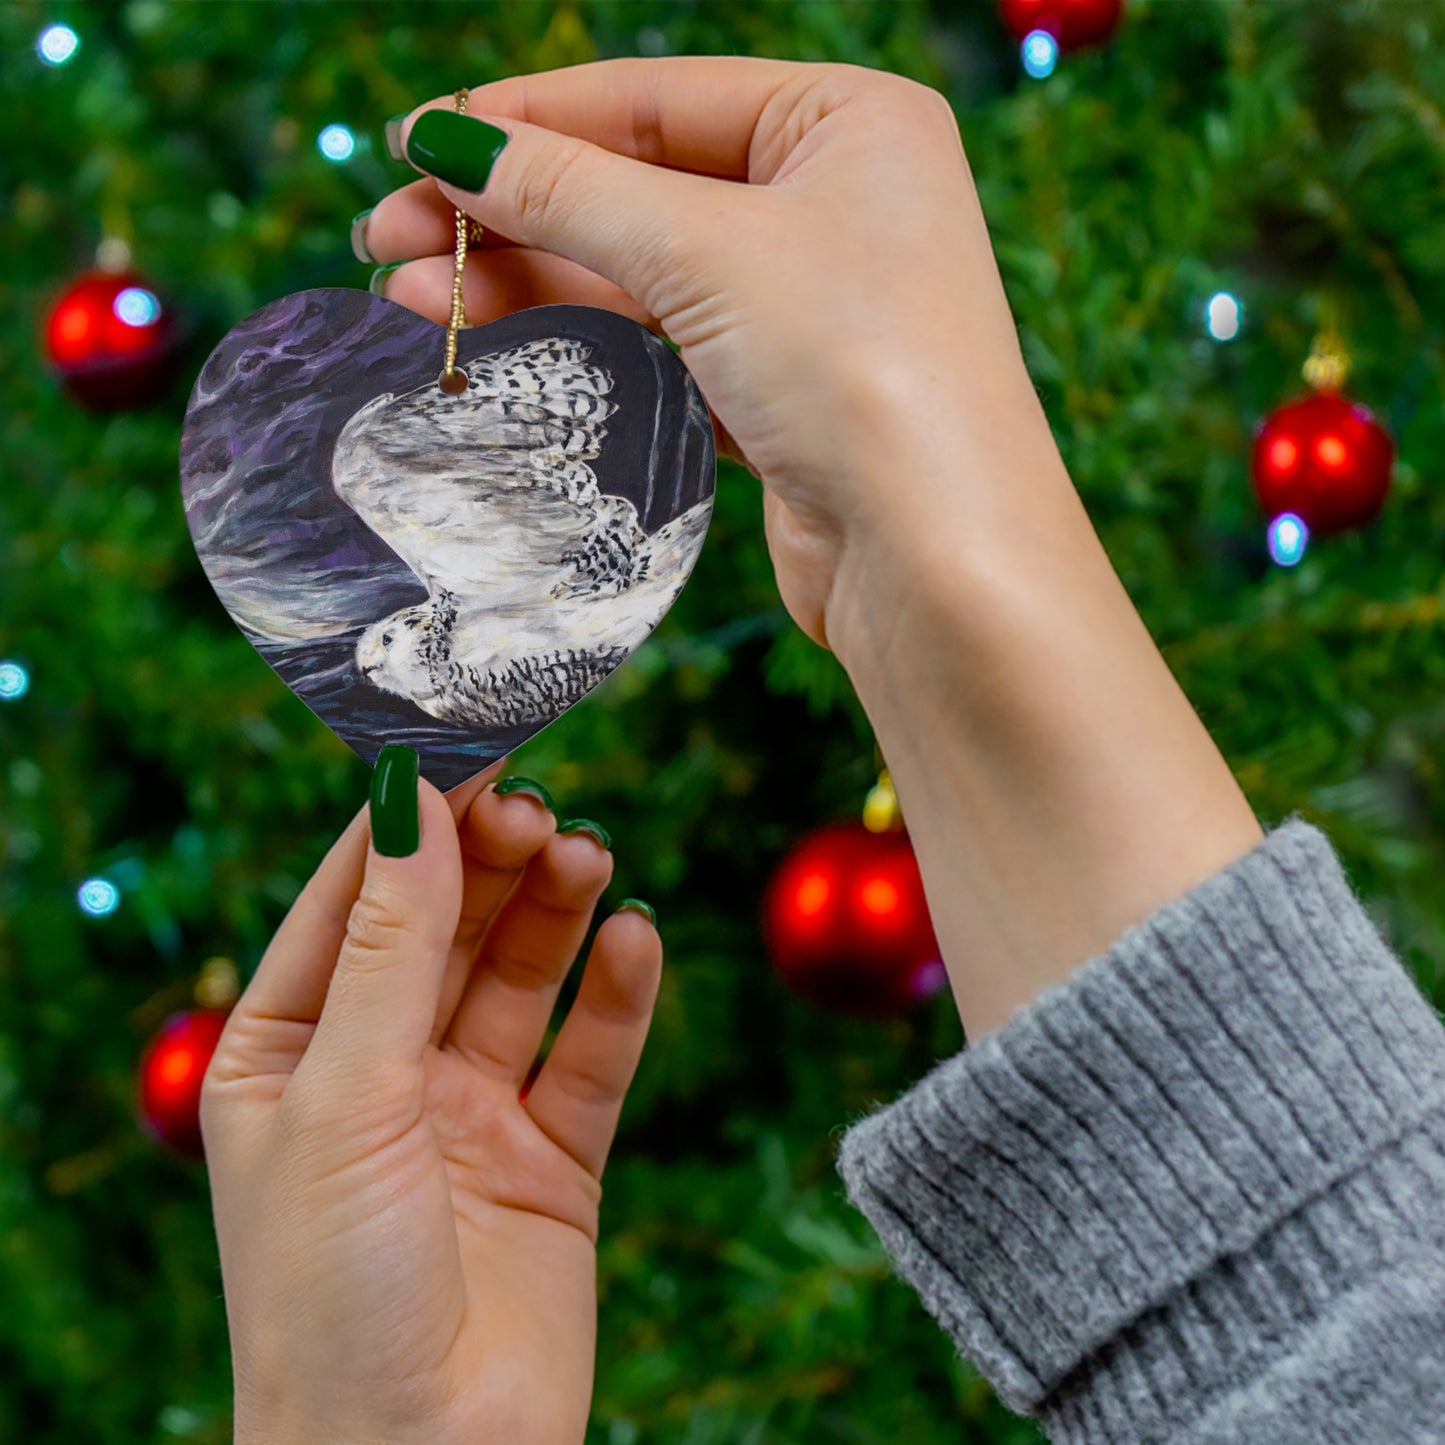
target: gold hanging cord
1328 366
453 381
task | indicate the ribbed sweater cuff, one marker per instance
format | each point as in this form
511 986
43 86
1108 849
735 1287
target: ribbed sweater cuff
1129 1156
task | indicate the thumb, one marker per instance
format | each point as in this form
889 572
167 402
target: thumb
382 1000
642 227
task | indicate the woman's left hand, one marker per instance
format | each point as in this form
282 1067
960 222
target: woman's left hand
407 1244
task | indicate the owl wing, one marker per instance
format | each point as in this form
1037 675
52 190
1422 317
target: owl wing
488 494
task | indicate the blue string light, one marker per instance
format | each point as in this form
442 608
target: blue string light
1288 538
336 143
57 44
1040 53
98 897
14 681
136 306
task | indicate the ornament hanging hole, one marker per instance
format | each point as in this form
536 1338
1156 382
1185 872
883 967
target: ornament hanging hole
453 382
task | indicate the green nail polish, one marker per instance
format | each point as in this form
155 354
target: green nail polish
455 148
393 136
395 821
636 905
526 785
359 248
377 284
586 825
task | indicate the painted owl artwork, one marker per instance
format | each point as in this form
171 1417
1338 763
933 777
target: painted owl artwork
451 572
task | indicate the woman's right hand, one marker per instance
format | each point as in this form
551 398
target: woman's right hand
810 237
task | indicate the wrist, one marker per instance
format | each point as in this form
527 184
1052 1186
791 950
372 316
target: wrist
948 524
1057 784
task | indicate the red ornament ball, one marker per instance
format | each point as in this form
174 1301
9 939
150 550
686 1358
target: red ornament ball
112 342
1073 23
847 923
1324 458
171 1071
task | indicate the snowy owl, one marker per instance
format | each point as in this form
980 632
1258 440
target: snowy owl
538 583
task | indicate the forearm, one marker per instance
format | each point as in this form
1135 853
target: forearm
1057 784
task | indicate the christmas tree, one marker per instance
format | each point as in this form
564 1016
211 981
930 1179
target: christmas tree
1180 215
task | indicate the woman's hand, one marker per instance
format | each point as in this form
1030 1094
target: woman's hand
811 237
407 1247
808 235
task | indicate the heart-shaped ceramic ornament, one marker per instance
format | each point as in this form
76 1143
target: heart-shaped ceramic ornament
448 572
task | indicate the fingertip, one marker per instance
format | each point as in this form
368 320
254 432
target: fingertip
629 949
416 872
395 807
409 816
579 854
394 133
505 830
637 905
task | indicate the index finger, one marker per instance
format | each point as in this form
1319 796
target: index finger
695 113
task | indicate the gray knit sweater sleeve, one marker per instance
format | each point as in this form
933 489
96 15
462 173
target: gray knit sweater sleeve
1197 1191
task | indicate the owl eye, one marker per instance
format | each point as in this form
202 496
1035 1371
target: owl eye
386 639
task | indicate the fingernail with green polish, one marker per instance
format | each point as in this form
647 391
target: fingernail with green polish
377 284
393 136
395 820
636 905
455 148
586 825
359 248
527 786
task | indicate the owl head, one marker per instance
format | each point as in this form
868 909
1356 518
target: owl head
398 655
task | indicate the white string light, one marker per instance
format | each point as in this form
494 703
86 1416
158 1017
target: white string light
57 44
1223 316
336 143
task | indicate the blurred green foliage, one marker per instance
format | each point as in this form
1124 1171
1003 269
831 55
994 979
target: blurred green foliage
1287 153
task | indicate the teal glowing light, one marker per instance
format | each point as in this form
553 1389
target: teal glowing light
14 681
1040 52
336 143
57 44
1288 538
137 307
98 897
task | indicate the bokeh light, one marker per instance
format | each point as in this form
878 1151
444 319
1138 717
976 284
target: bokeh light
879 897
57 44
14 681
1223 316
98 897
137 307
1288 538
813 894
336 143
1040 52
1282 455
